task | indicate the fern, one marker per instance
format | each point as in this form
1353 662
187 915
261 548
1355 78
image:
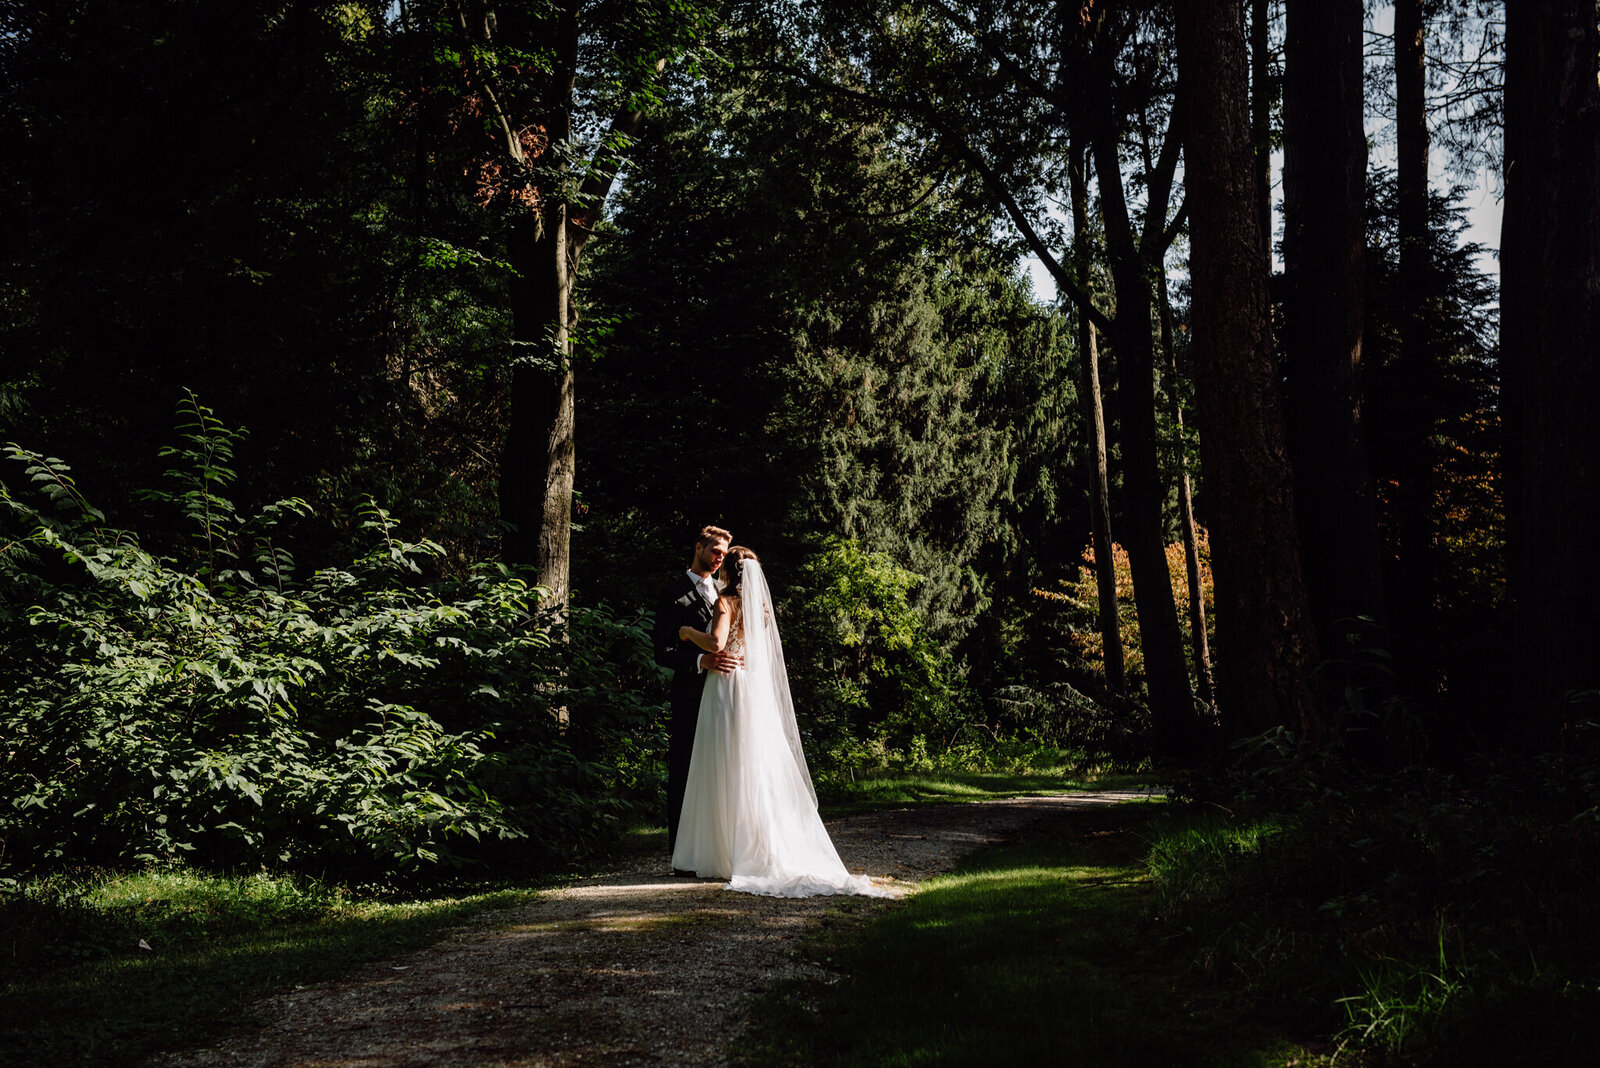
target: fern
222 706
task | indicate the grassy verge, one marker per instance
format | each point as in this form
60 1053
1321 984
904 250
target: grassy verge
1039 952
893 790
1413 929
81 989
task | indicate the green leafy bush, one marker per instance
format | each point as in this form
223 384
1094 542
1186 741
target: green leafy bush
216 704
870 683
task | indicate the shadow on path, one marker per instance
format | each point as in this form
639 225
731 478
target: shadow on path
623 968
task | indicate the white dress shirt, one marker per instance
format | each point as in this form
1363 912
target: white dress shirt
707 585
708 589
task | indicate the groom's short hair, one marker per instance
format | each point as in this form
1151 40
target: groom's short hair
711 534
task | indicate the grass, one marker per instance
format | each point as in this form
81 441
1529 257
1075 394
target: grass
1039 952
899 789
1416 925
1436 932
81 989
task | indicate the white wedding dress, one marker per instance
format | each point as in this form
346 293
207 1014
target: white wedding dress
750 811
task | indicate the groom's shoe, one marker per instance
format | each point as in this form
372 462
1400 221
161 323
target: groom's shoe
681 874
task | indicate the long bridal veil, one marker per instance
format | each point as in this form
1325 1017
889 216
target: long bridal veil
763 659
778 843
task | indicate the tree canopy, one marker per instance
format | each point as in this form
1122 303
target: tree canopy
544 287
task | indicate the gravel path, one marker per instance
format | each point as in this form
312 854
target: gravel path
625 968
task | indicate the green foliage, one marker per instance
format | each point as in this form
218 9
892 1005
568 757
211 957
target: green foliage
109 969
1419 916
217 704
897 397
875 686
1033 953
836 346
825 348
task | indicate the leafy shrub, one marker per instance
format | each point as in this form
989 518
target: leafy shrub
216 704
870 683
1048 668
1108 729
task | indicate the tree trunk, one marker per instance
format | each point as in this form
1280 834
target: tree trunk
1324 181
1261 119
1266 643
1550 353
537 473
538 468
1414 581
1171 705
1096 466
1198 644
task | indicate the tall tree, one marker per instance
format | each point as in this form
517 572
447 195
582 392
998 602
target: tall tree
1414 586
1324 183
1550 344
1096 467
521 69
1199 641
1468 635
999 99
1267 649
1262 95
1134 257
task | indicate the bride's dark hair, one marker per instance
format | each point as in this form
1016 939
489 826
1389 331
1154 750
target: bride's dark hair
733 569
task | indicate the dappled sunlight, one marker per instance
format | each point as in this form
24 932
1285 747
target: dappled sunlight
630 913
602 892
953 789
1040 948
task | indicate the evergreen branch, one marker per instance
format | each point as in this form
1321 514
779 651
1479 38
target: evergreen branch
924 109
1009 63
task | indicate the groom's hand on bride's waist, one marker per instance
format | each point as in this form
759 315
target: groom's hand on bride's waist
723 661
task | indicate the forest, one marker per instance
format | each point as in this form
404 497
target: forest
1112 387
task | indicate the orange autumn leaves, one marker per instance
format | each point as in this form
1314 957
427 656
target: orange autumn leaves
1084 639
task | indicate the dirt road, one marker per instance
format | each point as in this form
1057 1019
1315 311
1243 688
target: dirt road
632 967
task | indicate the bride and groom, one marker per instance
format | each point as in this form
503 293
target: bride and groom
740 804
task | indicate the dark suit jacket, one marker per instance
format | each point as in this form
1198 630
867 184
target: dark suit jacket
681 605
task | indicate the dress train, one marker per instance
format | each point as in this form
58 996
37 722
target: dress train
749 813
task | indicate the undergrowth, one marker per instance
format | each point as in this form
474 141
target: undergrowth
214 701
105 969
64 919
1417 917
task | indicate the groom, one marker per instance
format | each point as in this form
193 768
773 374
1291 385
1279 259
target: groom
688 601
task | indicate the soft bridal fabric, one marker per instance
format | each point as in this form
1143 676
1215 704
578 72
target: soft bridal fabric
750 811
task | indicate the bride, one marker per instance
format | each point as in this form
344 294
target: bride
750 811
